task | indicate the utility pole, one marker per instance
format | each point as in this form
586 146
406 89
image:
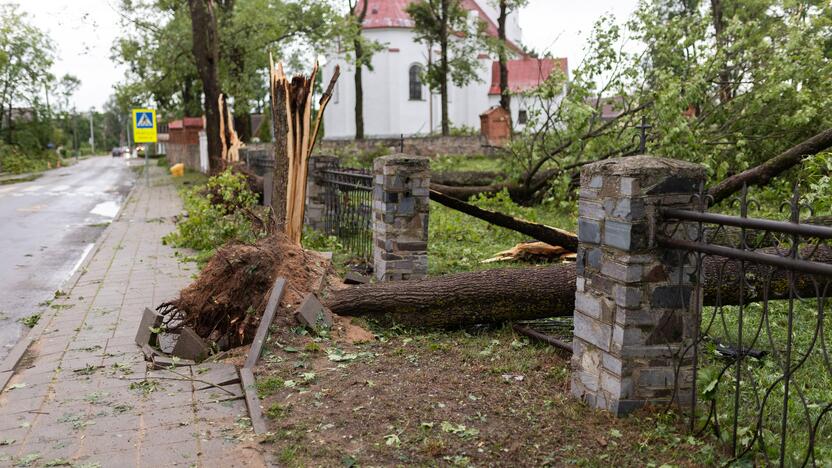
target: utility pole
92 130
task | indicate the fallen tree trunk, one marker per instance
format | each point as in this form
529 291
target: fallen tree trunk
523 294
467 191
541 232
464 178
762 174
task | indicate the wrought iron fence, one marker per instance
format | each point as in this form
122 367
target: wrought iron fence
348 209
757 354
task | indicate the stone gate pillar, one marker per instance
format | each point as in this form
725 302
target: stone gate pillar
401 198
631 313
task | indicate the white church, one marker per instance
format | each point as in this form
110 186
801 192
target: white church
396 102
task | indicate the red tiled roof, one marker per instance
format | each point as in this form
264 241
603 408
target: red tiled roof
393 14
526 73
193 122
187 122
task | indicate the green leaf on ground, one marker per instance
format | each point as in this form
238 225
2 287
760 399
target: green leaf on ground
392 440
336 355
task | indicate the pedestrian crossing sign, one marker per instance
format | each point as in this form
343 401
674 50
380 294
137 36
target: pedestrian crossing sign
144 125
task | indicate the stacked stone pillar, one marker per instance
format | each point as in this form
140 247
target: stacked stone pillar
401 198
632 310
316 192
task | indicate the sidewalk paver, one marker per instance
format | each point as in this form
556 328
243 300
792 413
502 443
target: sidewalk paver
82 391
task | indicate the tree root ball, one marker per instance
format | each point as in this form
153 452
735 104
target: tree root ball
225 303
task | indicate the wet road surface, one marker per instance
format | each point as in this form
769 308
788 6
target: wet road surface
47 227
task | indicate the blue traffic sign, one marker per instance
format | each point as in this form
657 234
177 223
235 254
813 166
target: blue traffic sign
144 120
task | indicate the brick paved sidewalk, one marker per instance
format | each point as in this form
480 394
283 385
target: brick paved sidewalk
82 392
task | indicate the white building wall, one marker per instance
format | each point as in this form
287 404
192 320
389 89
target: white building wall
388 110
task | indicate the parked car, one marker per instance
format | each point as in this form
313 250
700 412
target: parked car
118 151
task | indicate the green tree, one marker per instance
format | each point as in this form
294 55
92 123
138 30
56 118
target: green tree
159 49
503 48
446 23
26 56
358 50
728 97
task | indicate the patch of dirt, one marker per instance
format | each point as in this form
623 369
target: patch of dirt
225 303
447 398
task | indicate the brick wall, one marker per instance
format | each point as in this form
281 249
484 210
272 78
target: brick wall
417 146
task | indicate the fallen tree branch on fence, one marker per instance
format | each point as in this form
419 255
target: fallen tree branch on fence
541 232
762 174
523 294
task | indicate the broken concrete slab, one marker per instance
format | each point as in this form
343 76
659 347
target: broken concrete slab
150 319
255 412
313 315
225 374
149 352
265 322
190 346
356 278
166 362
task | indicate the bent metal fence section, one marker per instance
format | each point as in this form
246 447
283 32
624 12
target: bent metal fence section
348 208
760 340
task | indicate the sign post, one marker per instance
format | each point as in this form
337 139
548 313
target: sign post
144 131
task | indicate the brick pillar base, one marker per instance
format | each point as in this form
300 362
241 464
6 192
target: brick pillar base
401 198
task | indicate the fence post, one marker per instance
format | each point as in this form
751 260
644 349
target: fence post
631 313
401 197
316 192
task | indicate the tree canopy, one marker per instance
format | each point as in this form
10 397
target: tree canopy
725 83
156 47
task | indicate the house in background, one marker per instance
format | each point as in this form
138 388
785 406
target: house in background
396 102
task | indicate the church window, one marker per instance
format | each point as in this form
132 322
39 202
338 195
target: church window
415 76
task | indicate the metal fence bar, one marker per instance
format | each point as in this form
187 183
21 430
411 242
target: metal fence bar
348 209
763 358
805 230
787 263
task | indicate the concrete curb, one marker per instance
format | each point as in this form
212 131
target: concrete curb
9 364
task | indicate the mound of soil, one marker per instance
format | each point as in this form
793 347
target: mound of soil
225 303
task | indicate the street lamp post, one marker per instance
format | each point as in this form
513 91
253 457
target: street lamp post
92 130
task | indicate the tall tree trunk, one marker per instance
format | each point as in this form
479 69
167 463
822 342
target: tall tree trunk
725 88
505 97
443 85
206 54
359 66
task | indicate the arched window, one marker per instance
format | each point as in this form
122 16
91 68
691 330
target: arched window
415 82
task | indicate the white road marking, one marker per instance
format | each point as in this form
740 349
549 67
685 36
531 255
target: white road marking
87 250
34 188
108 209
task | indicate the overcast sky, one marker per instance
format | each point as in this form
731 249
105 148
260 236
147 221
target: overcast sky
84 31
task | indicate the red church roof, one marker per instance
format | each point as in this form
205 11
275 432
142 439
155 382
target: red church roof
526 73
393 14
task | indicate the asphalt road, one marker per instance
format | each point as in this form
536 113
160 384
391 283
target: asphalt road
47 227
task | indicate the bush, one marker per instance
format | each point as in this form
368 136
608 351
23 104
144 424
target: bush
217 212
14 161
